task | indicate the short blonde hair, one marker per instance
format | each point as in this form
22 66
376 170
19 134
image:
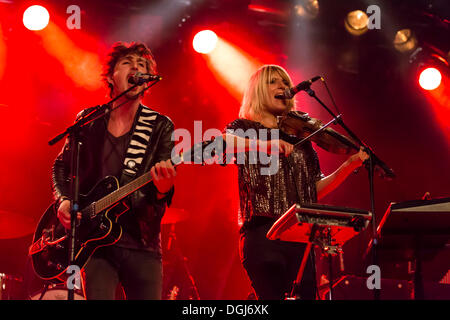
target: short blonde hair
256 95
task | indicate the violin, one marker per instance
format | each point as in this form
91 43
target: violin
297 125
301 125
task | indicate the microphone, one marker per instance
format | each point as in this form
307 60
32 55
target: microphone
289 93
141 78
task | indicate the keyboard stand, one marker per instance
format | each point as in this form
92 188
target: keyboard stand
327 227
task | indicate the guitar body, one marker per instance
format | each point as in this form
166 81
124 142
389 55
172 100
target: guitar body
50 249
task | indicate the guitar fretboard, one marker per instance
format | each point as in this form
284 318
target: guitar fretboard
127 189
122 192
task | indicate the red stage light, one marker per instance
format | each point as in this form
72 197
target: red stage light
82 66
430 78
232 65
36 18
205 41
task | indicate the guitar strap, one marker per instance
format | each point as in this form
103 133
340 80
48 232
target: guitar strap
140 138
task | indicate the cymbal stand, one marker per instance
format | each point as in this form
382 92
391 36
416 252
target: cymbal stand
173 239
47 286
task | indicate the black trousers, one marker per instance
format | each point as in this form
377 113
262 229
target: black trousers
272 265
139 272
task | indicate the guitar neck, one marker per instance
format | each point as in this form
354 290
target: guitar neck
128 189
122 192
195 153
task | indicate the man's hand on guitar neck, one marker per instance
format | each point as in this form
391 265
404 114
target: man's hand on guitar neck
64 214
163 174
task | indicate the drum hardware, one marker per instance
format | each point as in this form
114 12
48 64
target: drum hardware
8 284
59 291
171 218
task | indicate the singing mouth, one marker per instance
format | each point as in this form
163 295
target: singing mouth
130 77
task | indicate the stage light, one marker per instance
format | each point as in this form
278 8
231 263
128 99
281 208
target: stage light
82 66
36 18
430 78
232 65
205 41
307 8
405 40
356 22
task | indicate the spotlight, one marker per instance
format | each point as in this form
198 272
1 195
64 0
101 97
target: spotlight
405 40
205 41
307 8
430 78
36 18
429 67
356 22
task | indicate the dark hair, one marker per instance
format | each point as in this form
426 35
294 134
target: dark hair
122 49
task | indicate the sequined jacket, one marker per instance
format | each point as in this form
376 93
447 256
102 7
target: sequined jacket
294 181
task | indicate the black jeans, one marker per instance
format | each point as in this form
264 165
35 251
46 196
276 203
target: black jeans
139 272
272 265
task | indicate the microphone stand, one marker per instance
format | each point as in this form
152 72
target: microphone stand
73 133
370 166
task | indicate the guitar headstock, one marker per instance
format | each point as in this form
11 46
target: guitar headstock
205 152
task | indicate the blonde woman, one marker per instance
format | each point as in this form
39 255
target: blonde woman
273 265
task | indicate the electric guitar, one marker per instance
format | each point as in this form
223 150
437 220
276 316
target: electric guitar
102 208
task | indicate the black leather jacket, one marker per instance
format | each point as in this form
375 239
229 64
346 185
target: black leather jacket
144 204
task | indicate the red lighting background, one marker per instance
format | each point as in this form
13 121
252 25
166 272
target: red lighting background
48 76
